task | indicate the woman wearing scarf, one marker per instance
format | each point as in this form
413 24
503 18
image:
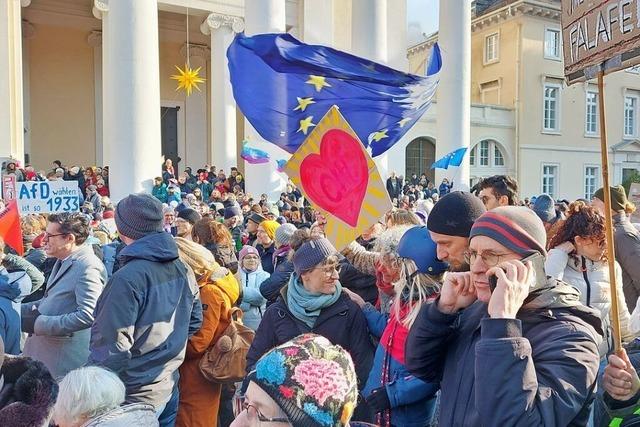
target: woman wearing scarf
313 301
397 397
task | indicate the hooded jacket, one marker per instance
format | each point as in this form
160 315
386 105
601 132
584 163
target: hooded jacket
253 303
199 398
592 280
13 288
511 371
144 317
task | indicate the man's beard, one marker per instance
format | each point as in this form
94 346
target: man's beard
460 268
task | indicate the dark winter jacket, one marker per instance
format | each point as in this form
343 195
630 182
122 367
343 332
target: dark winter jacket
358 282
412 400
271 287
13 288
536 370
28 394
627 244
144 317
266 257
341 323
445 188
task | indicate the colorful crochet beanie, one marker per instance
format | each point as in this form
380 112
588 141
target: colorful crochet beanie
312 380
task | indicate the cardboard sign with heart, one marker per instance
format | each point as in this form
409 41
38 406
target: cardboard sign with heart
338 176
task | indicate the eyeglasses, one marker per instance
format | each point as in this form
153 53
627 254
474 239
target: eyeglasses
329 270
490 259
48 236
253 412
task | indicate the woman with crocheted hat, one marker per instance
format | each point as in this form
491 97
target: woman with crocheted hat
313 301
397 397
307 381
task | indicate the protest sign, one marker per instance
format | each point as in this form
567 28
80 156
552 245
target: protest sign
48 197
339 177
8 187
599 34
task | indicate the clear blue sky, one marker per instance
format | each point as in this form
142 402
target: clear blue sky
422 17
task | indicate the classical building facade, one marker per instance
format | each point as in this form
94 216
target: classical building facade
89 81
526 121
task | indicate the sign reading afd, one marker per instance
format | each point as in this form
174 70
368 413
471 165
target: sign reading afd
47 197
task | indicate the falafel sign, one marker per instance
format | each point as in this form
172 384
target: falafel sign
339 177
599 34
47 197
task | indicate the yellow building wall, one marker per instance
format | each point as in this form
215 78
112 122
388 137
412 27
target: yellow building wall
62 97
503 71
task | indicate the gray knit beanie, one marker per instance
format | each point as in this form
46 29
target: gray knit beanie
545 208
311 254
138 215
284 233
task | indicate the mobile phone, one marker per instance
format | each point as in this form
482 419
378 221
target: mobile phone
537 262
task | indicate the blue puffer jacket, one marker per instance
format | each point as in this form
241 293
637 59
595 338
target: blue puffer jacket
13 288
413 400
253 303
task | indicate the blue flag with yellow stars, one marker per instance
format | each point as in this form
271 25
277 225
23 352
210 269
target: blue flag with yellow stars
454 158
284 87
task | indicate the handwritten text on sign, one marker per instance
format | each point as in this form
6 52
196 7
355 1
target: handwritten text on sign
48 197
594 31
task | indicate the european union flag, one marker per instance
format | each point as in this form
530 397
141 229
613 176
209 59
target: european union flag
284 87
454 158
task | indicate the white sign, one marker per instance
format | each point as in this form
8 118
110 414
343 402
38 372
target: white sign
35 197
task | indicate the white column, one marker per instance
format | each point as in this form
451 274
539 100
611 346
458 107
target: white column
131 78
95 41
369 40
196 150
11 109
454 102
28 33
264 16
317 22
224 140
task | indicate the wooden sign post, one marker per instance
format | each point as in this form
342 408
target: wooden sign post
601 37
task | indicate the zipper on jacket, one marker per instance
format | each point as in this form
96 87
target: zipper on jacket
586 279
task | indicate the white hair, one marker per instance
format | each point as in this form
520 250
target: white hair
86 393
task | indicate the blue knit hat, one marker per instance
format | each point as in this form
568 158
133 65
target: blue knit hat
311 254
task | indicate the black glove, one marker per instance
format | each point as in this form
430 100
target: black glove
29 320
378 400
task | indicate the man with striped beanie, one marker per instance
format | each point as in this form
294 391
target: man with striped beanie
523 354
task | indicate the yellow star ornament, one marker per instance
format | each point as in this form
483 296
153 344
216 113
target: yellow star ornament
188 78
381 134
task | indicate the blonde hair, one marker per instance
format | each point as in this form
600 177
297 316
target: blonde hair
413 288
199 259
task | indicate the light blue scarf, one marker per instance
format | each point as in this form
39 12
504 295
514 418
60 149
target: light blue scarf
305 305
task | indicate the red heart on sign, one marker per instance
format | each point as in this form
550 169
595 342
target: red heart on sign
337 178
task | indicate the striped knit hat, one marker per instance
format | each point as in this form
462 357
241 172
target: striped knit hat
517 228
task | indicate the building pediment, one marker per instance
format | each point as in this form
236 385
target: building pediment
627 146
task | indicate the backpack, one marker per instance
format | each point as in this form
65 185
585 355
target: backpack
226 360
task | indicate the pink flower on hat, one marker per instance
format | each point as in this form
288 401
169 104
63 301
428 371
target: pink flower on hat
321 379
287 392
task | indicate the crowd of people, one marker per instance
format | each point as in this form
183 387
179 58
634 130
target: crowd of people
456 308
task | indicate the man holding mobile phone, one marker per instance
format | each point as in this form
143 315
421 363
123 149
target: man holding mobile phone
523 354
